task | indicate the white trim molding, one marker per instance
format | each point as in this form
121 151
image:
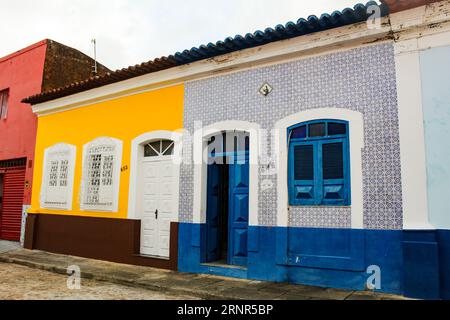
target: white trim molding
414 34
137 153
60 195
412 139
356 136
201 137
109 192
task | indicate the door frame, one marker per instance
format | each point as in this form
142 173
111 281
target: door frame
137 154
201 138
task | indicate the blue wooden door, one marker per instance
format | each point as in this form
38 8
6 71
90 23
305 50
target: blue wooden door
213 214
238 209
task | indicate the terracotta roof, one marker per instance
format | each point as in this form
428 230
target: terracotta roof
281 32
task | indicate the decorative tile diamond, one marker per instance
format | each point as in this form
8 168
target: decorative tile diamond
266 89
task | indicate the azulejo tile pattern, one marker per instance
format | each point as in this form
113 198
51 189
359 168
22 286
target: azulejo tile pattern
361 79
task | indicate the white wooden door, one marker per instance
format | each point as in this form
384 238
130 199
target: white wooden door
159 190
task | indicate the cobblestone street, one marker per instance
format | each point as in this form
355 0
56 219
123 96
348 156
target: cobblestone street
26 274
23 283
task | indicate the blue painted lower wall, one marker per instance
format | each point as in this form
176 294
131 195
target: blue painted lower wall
413 264
443 238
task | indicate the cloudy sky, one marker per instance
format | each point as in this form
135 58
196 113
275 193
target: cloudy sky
132 31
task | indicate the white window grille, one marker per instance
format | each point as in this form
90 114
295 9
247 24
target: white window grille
159 148
57 183
101 175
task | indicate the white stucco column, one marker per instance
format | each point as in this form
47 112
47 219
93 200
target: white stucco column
412 136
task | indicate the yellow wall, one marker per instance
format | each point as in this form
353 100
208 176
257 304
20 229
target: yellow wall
124 119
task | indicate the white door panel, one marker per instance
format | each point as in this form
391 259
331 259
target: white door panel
148 224
167 189
164 248
150 170
167 170
166 206
158 195
164 225
150 206
151 189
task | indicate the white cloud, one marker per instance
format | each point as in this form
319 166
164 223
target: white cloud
132 31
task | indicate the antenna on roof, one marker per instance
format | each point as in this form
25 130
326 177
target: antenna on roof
94 67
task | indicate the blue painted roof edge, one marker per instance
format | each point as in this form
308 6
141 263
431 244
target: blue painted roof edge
312 24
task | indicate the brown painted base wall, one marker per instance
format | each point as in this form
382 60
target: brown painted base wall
114 240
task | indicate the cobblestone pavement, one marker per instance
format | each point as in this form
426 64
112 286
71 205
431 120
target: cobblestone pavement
7 246
150 283
23 283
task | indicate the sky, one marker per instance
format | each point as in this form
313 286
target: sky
129 32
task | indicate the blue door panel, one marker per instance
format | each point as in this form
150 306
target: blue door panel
239 210
240 244
241 177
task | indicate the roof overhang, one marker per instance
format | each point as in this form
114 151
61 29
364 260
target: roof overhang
323 42
313 24
409 24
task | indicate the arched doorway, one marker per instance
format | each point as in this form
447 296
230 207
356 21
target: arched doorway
154 189
227 207
157 197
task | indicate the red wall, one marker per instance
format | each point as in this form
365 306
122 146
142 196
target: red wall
22 74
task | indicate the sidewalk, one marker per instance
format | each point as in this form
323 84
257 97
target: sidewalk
7 246
201 286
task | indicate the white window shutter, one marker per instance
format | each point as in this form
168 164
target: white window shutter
57 182
101 175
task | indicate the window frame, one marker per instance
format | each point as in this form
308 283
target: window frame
114 188
4 105
163 153
58 153
318 183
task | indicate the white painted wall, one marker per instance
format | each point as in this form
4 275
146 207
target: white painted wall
412 142
435 72
414 35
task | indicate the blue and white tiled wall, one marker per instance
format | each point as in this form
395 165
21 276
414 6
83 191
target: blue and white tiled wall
361 79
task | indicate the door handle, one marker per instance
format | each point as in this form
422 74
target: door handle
156 214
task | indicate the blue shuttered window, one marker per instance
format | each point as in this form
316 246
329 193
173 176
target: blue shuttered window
319 168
